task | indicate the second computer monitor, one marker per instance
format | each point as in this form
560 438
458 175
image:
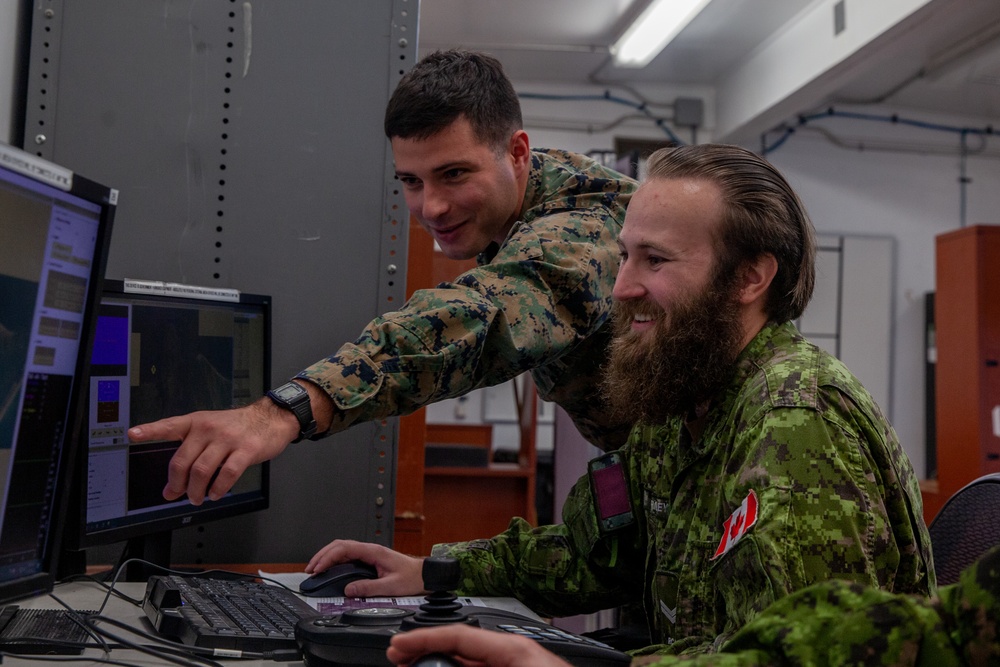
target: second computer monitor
159 351
54 233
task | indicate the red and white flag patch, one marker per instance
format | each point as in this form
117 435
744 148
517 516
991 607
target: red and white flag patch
737 525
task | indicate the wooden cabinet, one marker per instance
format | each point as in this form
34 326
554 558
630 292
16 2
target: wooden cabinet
967 382
468 502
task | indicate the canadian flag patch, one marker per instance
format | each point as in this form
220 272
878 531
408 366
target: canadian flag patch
737 525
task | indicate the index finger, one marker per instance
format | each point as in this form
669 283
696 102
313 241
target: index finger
171 428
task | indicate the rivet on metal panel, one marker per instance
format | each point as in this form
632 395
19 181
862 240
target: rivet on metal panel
391 269
402 43
49 13
40 139
380 501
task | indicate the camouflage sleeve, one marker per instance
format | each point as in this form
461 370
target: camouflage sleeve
844 623
548 288
835 623
560 570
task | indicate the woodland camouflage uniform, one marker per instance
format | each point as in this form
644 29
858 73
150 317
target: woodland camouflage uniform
541 301
797 478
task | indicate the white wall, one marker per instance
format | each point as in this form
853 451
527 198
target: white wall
544 120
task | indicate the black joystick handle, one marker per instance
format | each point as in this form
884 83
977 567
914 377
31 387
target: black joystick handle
434 660
441 576
441 573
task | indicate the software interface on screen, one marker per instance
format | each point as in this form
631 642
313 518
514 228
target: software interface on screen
47 258
155 357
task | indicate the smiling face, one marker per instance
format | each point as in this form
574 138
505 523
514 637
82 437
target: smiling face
667 247
464 192
678 320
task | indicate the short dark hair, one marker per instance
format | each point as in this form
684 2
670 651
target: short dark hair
448 84
763 215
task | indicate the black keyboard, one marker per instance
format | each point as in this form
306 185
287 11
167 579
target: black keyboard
38 631
223 613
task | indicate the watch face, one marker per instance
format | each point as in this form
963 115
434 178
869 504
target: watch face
288 392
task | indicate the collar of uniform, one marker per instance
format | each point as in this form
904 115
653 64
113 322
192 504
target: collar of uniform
486 256
534 191
533 195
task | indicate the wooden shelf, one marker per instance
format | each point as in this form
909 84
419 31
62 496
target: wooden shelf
492 470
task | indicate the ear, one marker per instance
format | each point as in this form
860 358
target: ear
757 277
520 149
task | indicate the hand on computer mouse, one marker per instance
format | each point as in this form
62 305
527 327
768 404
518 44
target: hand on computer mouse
333 581
475 645
398 574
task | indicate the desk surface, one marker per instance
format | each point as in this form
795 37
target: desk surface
86 595
90 596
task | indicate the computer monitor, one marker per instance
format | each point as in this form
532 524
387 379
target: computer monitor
161 350
55 227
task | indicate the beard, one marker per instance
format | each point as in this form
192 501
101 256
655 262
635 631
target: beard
685 359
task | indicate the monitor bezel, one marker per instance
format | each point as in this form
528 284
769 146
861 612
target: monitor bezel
36 168
77 537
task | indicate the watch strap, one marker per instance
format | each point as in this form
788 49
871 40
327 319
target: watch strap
299 405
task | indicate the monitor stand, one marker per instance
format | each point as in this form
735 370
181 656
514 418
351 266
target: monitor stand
154 549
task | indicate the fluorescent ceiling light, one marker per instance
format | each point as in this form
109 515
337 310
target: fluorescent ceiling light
656 26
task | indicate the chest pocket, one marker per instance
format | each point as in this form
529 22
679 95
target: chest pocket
682 595
742 586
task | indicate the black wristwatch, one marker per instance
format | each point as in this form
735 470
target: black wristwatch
293 397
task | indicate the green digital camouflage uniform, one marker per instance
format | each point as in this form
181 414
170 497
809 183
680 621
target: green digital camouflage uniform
539 302
844 623
797 478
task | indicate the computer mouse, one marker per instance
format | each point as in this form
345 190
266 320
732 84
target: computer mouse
330 582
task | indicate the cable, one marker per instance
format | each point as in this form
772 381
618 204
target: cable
893 119
963 133
198 653
642 107
103 584
180 654
980 150
81 620
73 658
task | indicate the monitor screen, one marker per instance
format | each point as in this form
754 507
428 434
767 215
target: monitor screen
161 350
55 229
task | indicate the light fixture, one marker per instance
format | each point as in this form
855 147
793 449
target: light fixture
661 21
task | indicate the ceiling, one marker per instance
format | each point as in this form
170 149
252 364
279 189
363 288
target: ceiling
568 40
946 58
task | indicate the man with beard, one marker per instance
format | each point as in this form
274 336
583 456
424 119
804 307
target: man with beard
759 465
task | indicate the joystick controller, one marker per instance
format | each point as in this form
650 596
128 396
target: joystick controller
441 576
360 637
